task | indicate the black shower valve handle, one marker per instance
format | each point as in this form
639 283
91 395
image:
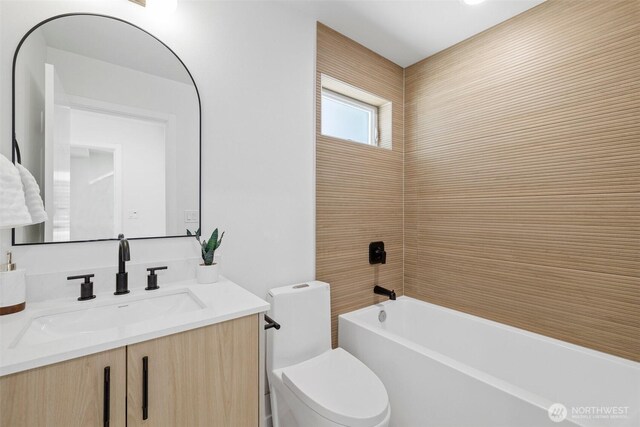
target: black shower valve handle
377 254
383 257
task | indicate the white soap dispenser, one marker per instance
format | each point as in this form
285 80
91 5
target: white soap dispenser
13 289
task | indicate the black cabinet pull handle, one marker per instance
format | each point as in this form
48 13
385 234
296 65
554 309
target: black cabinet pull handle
107 396
145 388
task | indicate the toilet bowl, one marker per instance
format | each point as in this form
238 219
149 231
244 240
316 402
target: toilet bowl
312 385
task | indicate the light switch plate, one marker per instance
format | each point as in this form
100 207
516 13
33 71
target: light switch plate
191 216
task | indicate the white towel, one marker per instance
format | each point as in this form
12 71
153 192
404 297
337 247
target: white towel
13 208
32 195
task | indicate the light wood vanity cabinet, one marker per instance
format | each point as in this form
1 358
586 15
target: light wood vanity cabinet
70 393
202 377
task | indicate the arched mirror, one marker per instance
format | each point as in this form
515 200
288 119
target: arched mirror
107 119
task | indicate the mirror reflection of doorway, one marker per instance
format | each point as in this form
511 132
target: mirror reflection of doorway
107 150
92 193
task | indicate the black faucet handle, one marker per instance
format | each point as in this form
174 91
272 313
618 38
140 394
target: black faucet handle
86 277
152 278
86 287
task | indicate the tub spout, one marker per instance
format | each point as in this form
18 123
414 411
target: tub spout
386 292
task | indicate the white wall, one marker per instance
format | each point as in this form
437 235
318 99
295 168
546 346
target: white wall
253 63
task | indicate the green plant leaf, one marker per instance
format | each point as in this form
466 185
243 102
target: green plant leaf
220 241
208 247
203 252
211 245
208 258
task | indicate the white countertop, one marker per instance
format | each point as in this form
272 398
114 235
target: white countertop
222 301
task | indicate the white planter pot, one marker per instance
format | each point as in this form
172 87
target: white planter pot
208 273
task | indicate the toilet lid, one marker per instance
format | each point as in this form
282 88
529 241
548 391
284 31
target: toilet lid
340 388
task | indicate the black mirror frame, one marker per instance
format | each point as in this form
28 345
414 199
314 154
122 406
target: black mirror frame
15 151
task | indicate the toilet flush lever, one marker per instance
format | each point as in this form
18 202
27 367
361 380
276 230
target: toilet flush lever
270 323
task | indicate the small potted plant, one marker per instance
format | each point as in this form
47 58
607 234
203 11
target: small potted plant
208 271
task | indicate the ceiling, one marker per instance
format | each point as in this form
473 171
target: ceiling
404 31
407 31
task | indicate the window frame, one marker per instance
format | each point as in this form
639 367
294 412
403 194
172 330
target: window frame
374 133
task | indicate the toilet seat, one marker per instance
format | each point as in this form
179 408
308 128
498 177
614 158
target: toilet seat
340 388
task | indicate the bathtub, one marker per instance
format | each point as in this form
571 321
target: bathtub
443 368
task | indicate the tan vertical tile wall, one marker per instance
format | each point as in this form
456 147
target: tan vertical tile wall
522 174
358 187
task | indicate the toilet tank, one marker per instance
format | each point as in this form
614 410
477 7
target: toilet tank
304 314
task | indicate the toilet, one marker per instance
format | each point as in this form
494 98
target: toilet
312 385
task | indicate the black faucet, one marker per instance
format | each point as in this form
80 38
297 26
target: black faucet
386 292
122 281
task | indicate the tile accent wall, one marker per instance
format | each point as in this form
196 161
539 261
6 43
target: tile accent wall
522 174
358 187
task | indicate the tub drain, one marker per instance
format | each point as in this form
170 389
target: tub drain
382 316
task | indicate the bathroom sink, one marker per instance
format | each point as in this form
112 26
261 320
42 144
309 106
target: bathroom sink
79 322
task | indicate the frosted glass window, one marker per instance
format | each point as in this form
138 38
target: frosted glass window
348 118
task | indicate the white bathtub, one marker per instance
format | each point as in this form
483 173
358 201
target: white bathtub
443 368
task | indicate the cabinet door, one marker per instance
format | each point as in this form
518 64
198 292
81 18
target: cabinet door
203 377
83 392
